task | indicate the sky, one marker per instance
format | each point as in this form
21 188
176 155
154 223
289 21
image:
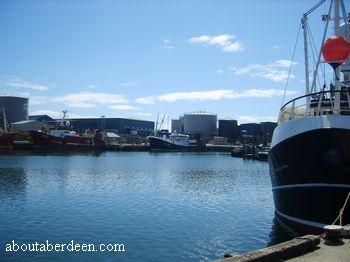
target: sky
139 59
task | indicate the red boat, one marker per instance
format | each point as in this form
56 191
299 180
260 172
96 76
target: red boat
65 138
6 140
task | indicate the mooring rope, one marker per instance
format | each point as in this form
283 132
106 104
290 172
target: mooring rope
341 211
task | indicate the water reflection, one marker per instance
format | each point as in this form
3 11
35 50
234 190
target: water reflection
13 183
202 204
280 232
53 152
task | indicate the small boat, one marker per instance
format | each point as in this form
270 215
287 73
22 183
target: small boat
237 151
64 137
310 150
262 152
175 142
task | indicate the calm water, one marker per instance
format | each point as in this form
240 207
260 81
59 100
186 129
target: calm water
161 206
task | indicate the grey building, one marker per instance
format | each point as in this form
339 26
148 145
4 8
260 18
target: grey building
43 118
261 132
228 129
27 125
16 109
120 125
177 125
200 123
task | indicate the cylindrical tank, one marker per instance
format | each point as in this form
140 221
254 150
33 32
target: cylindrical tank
200 123
16 109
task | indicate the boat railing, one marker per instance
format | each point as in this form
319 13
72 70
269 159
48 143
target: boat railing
316 104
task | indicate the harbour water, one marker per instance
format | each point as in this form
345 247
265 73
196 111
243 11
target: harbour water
161 206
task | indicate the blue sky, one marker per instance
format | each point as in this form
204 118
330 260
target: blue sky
140 58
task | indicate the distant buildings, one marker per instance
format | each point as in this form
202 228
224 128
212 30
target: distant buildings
119 125
228 129
198 125
206 125
259 133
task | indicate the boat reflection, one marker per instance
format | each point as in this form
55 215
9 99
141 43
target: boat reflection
53 152
280 232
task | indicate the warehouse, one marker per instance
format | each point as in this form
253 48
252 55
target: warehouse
119 125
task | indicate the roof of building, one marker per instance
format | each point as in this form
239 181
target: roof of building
24 122
41 118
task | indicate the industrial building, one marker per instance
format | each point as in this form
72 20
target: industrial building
199 124
42 118
119 125
15 108
260 132
177 125
228 129
27 125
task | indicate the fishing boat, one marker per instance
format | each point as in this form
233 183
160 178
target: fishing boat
7 137
175 142
310 151
64 137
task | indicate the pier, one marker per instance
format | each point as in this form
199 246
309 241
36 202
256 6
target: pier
306 248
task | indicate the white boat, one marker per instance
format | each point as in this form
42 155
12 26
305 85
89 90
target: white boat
175 142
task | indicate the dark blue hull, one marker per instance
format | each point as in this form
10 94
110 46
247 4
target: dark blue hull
310 176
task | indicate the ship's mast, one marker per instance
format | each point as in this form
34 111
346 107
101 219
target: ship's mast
337 70
307 77
5 120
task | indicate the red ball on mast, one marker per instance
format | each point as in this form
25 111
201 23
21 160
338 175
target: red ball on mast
336 50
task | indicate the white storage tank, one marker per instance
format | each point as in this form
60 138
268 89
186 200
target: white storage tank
200 123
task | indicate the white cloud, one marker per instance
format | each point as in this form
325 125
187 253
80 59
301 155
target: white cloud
92 86
277 71
143 114
225 42
256 119
37 100
17 82
124 107
127 84
55 114
212 95
89 99
167 44
219 71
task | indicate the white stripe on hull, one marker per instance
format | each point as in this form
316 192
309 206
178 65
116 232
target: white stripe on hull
311 185
301 221
298 126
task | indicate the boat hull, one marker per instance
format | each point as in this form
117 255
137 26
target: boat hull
6 140
159 144
310 176
44 140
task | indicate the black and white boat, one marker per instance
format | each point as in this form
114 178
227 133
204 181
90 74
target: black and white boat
310 151
175 142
